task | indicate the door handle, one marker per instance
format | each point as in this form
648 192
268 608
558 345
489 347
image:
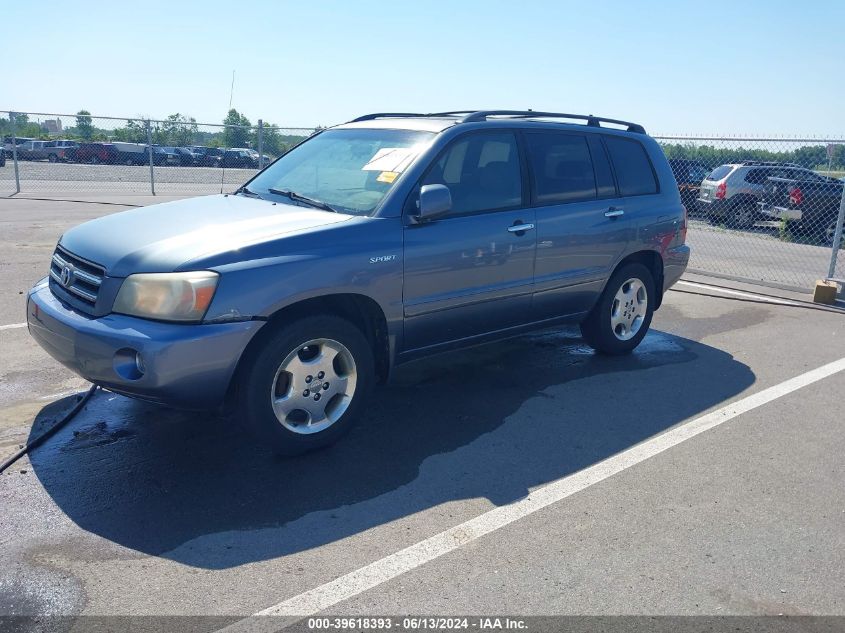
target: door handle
520 228
613 212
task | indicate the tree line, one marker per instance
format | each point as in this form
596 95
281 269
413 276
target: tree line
177 130
810 156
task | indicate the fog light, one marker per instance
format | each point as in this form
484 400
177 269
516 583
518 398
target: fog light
139 363
128 363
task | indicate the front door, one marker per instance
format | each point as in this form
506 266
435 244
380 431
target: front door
471 272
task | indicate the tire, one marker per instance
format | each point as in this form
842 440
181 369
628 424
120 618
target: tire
282 369
52 158
742 215
620 335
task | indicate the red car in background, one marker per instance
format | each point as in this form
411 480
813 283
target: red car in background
95 153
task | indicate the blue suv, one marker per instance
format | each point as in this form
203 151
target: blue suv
372 243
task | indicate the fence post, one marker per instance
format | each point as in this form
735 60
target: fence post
15 152
150 153
837 236
260 144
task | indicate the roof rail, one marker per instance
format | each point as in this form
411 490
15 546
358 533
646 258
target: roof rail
473 116
771 163
413 115
386 115
594 121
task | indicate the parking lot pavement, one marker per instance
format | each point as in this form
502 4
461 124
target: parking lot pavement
135 509
43 178
757 254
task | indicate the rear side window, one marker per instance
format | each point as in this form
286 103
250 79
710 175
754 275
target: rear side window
634 173
561 167
720 172
758 176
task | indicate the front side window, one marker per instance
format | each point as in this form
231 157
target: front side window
351 170
482 172
561 167
634 173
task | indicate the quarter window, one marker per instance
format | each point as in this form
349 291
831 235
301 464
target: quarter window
634 173
482 172
561 167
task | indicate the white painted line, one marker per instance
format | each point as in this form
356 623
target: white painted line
356 582
12 326
739 293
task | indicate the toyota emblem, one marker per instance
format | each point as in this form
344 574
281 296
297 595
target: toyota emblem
67 276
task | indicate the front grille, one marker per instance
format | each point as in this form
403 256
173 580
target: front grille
83 278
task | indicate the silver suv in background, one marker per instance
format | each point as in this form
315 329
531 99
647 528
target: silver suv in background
730 193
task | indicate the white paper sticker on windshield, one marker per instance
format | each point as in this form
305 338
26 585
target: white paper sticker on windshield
395 159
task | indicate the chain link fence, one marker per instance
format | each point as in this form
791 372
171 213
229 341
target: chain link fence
65 154
766 210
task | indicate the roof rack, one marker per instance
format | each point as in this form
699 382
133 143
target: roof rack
387 115
473 116
769 163
413 115
593 121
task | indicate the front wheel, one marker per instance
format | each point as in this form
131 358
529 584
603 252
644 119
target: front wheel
306 385
622 316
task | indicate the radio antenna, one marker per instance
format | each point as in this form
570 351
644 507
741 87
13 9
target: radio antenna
232 90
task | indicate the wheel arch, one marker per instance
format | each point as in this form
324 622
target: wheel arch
362 311
651 260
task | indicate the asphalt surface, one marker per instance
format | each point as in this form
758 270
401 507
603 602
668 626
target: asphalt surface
133 509
41 177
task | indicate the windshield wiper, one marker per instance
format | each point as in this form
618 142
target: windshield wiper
311 202
246 191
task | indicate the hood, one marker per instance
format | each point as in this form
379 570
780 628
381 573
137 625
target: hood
161 237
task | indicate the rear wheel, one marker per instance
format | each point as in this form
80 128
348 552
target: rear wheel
53 158
307 384
622 316
742 214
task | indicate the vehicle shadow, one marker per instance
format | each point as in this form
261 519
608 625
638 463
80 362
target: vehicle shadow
492 421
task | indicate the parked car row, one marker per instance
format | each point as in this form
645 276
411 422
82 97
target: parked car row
740 194
118 153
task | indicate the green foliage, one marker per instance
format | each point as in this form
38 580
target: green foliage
810 156
236 136
178 130
84 125
23 127
134 132
784 234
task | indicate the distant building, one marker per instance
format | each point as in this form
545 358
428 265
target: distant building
52 126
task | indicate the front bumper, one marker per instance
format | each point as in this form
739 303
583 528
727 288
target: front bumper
184 365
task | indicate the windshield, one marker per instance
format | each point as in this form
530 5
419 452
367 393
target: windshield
349 169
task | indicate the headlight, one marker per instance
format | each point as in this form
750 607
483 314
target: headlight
167 296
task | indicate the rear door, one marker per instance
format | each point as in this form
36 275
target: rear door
471 272
583 225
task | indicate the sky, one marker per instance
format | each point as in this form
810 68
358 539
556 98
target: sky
730 68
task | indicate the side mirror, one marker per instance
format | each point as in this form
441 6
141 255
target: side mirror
435 201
